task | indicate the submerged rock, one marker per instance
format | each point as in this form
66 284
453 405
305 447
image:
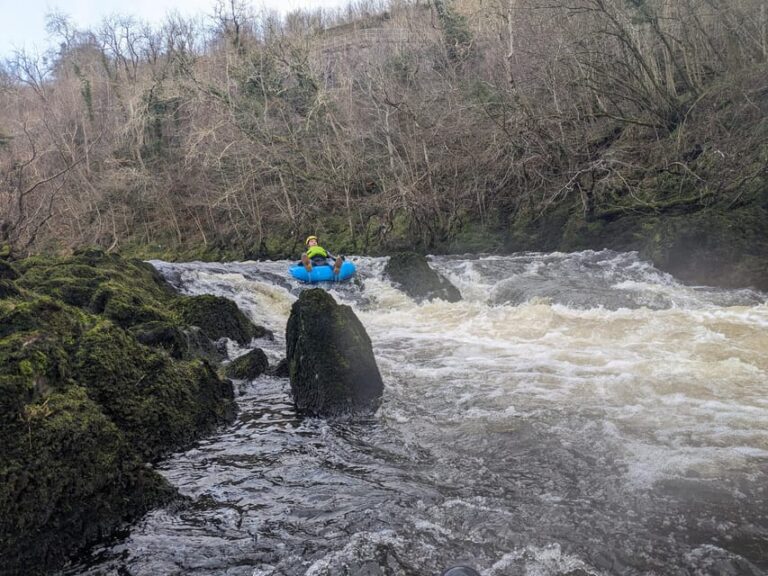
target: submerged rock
411 272
330 357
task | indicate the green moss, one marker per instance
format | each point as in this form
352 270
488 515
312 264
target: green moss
8 290
474 238
158 403
248 366
82 402
7 271
218 318
67 476
102 283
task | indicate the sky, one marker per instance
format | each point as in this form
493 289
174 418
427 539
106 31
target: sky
22 22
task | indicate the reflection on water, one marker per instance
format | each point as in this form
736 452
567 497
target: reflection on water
579 414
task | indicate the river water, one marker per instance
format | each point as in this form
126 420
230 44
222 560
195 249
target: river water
576 414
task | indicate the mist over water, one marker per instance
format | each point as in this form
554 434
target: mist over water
576 414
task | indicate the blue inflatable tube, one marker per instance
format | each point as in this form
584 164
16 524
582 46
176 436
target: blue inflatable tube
323 273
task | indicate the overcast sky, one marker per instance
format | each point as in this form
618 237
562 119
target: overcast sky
22 22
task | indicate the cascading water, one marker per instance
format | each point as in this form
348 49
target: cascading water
576 414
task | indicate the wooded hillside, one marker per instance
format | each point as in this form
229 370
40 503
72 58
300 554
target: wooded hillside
447 125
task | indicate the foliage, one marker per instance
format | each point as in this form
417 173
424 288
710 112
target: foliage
385 131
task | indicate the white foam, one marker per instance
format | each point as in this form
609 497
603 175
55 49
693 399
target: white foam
539 561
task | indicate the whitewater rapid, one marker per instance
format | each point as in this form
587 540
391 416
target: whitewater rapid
574 414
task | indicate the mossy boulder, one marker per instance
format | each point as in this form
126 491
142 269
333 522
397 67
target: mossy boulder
157 402
83 404
248 366
411 272
67 477
181 342
68 474
129 292
219 318
330 357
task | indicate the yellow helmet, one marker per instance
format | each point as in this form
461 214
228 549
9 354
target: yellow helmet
306 242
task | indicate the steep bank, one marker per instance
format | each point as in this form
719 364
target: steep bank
694 201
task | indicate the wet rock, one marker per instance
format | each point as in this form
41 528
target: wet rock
219 318
182 343
411 272
280 370
126 291
248 366
67 477
84 404
330 358
156 401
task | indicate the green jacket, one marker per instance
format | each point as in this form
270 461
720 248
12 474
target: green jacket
315 251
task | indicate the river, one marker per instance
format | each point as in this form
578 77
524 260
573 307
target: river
575 414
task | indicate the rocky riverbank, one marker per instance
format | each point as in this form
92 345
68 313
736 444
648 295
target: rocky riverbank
103 369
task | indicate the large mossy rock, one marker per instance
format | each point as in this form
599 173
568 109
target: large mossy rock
330 358
411 272
156 401
67 477
84 404
128 292
181 342
218 318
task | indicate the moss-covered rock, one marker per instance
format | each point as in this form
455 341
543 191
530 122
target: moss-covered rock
157 402
129 292
67 473
411 272
330 358
219 318
182 343
83 402
248 366
67 477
